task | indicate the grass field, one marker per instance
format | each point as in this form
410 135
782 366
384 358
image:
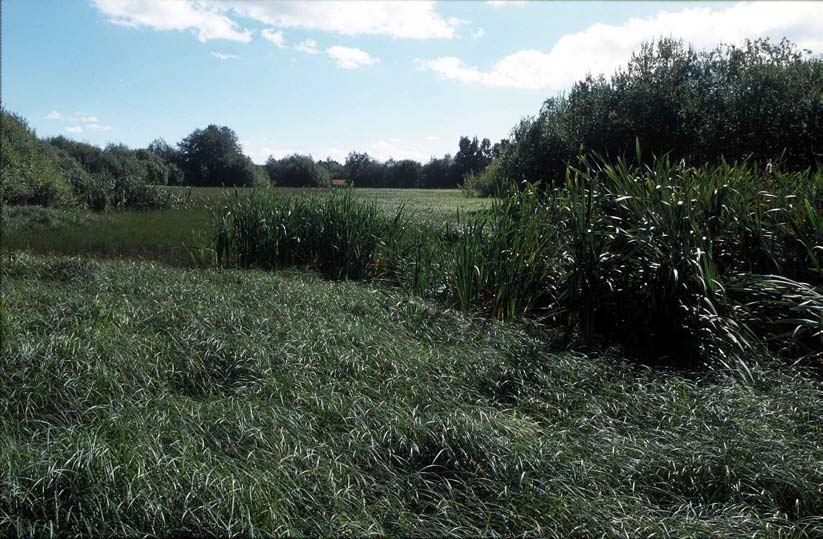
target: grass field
139 398
163 235
431 205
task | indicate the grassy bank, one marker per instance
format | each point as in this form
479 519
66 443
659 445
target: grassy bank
430 205
164 235
138 399
159 235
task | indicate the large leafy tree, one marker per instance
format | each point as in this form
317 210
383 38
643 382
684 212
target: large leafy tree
404 173
296 171
365 171
472 155
213 157
29 173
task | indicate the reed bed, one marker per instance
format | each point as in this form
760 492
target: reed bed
677 264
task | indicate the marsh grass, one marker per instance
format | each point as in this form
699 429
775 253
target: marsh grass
640 254
140 399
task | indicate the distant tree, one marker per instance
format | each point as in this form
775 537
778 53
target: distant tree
440 173
89 156
404 173
334 168
365 171
296 171
472 155
213 156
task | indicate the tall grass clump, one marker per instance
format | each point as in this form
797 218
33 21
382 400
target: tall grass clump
678 264
338 235
652 247
499 260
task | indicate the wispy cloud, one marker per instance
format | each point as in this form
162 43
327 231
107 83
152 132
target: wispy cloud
386 149
412 20
223 56
213 19
84 118
273 36
501 3
350 58
81 122
309 46
206 20
602 48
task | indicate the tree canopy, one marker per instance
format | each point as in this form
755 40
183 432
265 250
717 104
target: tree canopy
213 157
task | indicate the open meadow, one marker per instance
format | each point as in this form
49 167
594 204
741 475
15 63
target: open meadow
140 398
511 269
166 235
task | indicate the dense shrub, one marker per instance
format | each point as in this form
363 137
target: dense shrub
28 174
296 171
489 182
763 100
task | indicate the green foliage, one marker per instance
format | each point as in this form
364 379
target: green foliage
364 171
440 173
404 173
213 157
337 235
639 254
472 156
652 249
296 171
763 100
28 174
138 399
490 182
334 168
171 158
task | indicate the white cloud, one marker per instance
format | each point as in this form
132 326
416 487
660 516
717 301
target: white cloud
602 48
309 46
274 37
84 118
74 129
259 150
205 19
54 115
477 33
350 58
337 154
385 149
223 56
432 137
211 19
413 20
98 127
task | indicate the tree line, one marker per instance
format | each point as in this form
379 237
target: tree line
762 101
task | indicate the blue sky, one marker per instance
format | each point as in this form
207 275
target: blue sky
403 80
